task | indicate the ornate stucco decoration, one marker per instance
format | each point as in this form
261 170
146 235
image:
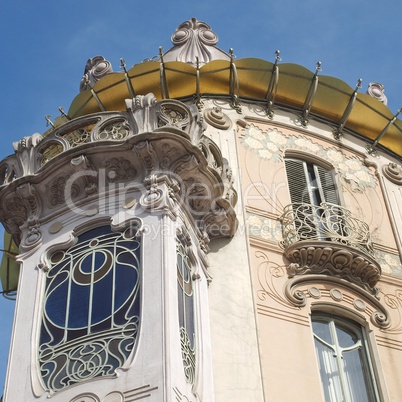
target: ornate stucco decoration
216 118
194 42
117 396
336 261
131 151
295 292
329 240
20 213
95 69
271 144
376 90
24 148
393 173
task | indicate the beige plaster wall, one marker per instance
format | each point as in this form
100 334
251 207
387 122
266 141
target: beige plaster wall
283 322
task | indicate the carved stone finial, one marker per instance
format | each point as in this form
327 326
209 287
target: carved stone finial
95 69
194 42
376 90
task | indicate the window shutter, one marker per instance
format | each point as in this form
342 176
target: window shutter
328 187
297 181
310 185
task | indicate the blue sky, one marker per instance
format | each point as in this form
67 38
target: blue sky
45 45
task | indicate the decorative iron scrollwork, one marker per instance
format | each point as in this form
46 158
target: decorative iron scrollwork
91 310
325 222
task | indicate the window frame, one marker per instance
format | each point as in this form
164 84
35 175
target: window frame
189 350
313 223
315 163
118 233
370 369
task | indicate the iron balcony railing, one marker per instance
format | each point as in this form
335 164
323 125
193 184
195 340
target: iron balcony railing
326 222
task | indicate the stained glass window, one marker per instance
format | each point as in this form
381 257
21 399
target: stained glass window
91 309
186 311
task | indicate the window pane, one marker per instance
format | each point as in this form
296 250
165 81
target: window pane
346 374
186 311
354 369
329 372
346 338
321 329
91 308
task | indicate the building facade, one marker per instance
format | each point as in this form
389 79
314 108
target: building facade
199 228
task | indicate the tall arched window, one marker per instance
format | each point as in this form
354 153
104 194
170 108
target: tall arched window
344 360
91 309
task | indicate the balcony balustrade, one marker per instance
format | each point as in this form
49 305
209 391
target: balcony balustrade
328 239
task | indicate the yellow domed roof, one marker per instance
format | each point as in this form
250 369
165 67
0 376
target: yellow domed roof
247 79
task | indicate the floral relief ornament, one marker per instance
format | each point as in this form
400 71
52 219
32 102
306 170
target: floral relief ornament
271 144
265 228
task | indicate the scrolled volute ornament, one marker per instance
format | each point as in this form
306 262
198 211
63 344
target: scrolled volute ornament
194 43
86 398
216 118
380 319
376 90
95 69
296 296
393 172
159 197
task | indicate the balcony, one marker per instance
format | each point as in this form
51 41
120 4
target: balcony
327 239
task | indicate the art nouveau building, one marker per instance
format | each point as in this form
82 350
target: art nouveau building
199 228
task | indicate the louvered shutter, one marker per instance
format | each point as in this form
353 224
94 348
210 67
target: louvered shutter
309 186
297 181
327 185
333 215
296 171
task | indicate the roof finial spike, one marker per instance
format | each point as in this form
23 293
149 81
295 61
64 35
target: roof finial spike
63 113
278 55
359 84
318 66
48 121
161 54
123 65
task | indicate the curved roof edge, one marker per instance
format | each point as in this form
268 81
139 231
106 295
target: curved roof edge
255 80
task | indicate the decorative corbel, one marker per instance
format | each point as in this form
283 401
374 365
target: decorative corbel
144 114
31 231
160 196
